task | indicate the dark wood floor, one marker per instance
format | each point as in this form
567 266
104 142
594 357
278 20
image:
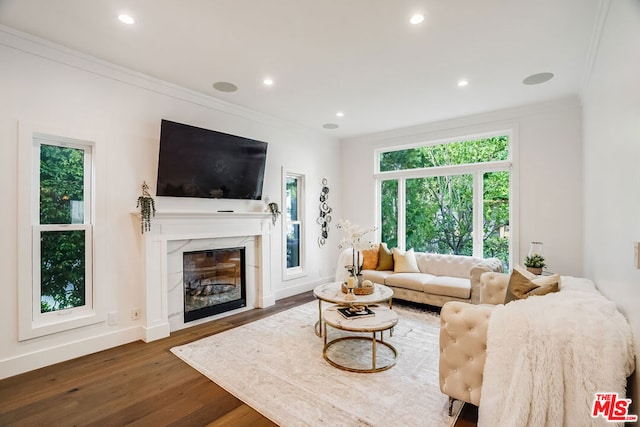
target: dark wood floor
139 383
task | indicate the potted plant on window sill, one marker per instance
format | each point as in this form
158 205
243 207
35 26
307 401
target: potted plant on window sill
535 263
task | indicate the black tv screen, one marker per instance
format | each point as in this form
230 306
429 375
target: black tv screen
196 162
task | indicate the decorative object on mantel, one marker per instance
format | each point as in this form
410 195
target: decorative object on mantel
275 212
534 260
147 208
354 238
274 209
324 218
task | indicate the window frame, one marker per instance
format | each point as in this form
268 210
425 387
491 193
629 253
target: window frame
38 228
290 273
31 322
477 171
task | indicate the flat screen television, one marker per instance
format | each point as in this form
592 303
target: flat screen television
196 162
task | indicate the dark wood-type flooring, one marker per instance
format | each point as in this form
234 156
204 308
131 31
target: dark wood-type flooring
139 384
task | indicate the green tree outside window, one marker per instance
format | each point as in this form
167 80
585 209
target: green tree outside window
439 209
62 253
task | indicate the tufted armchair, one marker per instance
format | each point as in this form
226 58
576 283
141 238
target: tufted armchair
463 340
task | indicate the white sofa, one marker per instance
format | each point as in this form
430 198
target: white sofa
512 334
442 278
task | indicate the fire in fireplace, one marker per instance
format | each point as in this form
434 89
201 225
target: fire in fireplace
214 282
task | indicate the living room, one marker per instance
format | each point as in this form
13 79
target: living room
574 161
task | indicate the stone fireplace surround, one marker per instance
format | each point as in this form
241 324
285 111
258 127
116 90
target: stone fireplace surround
175 232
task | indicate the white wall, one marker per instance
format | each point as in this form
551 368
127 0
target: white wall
48 85
547 160
612 164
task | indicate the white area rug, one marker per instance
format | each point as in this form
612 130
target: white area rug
275 365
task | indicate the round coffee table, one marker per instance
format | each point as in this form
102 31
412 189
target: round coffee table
383 320
332 292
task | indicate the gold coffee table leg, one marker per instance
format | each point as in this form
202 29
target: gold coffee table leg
324 349
373 344
318 325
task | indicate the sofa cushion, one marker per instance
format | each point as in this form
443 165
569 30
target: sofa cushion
370 259
523 284
446 265
385 258
413 281
376 276
449 286
404 261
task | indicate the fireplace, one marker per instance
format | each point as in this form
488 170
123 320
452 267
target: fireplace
175 232
214 281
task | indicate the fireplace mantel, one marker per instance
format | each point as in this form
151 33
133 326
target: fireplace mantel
177 225
186 214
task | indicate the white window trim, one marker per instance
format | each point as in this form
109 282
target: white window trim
476 170
300 271
30 325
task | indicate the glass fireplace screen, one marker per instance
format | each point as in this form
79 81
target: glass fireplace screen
214 282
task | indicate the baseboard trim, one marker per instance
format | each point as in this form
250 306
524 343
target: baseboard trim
51 355
156 332
301 288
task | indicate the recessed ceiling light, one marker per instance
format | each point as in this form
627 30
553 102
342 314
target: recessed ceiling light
225 87
416 19
536 79
463 83
340 114
268 82
330 126
126 19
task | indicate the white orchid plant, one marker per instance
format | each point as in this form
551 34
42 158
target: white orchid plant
354 238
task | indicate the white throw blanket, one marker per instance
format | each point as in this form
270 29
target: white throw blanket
548 355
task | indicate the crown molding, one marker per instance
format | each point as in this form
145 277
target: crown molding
475 124
45 49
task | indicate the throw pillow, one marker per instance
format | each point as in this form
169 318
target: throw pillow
523 284
370 259
385 258
405 262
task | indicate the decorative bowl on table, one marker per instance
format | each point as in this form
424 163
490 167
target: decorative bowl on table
366 288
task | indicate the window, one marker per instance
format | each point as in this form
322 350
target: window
389 209
62 238
294 238
56 289
439 212
449 197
